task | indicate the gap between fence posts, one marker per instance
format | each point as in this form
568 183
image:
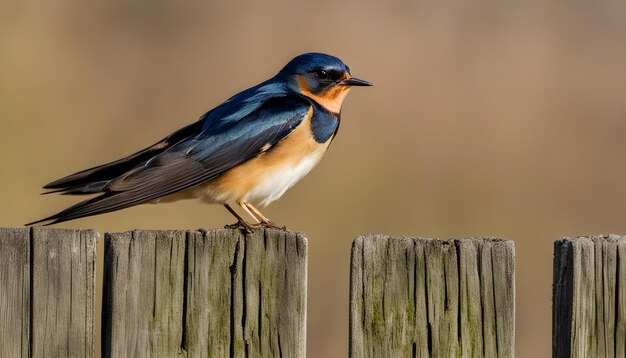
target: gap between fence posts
221 292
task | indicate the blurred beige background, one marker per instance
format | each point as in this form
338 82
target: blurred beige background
486 119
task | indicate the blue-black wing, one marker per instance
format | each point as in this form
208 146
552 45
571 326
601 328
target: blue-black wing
225 137
94 179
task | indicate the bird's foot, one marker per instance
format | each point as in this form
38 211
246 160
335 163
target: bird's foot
270 225
243 225
250 228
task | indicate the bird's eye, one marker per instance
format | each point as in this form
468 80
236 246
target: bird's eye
321 74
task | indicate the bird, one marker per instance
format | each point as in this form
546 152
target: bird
249 150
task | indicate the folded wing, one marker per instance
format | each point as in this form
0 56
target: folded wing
92 180
191 156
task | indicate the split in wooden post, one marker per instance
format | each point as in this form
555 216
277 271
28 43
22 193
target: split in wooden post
412 297
589 297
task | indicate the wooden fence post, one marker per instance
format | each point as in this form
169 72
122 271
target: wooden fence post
15 292
205 293
417 297
47 284
589 297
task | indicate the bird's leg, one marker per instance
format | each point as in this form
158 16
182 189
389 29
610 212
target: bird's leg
241 223
243 205
264 220
249 208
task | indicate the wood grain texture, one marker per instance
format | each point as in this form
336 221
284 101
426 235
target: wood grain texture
48 284
589 297
14 292
417 297
143 294
205 293
63 292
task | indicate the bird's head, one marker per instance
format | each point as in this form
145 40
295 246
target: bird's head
323 78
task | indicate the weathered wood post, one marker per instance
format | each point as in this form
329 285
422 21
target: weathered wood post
412 297
589 297
47 284
205 293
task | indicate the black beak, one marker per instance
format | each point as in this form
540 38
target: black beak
355 82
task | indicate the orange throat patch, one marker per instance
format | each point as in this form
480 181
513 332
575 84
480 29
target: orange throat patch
331 99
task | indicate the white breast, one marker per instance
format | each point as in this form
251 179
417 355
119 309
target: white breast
267 176
273 185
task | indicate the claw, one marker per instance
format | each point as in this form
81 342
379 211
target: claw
270 225
242 225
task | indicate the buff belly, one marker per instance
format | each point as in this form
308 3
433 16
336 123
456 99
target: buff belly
250 183
267 176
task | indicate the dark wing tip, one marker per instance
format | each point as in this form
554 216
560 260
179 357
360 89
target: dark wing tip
53 185
51 191
79 210
53 220
63 182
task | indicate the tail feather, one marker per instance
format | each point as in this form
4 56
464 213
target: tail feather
104 203
114 169
84 189
94 180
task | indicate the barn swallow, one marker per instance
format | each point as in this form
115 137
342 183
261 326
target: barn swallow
248 150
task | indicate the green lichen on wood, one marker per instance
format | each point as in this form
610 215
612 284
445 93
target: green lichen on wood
423 298
201 297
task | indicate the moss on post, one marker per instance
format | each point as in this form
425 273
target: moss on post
205 293
431 298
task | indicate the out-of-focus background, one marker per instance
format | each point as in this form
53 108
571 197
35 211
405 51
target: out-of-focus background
486 118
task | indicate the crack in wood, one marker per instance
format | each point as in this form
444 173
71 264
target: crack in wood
447 283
